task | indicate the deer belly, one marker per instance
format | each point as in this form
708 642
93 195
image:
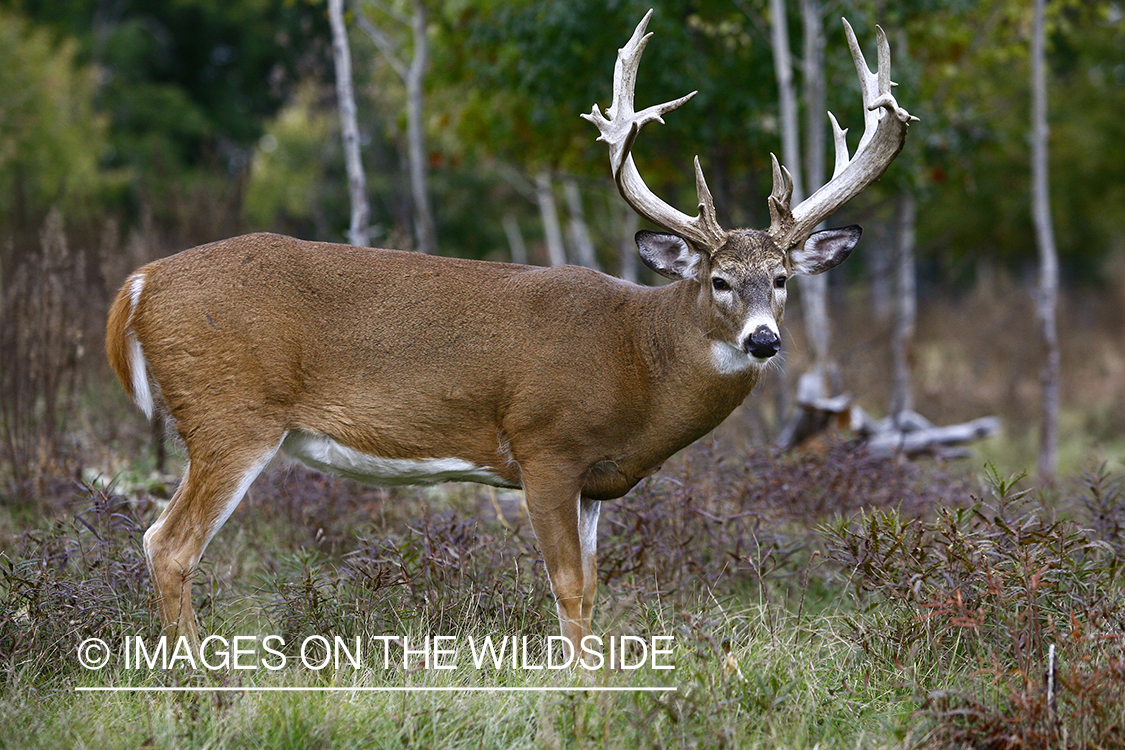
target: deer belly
325 454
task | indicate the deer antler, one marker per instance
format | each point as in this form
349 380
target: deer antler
619 127
884 131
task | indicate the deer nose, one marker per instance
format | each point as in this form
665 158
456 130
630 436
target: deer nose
763 343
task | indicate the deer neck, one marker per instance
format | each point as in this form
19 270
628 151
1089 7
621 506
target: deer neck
693 380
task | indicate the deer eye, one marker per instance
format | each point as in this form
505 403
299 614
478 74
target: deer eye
719 284
779 282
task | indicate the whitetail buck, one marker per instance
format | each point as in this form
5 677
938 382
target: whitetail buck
396 367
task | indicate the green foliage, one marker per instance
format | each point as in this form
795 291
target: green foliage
52 138
522 109
973 95
177 97
1087 133
184 86
288 169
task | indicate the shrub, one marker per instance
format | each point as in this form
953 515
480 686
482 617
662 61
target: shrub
83 577
991 589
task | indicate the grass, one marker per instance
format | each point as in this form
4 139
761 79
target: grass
798 620
777 694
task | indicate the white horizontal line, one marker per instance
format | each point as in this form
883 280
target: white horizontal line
467 689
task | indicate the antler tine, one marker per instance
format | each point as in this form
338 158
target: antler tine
883 59
884 132
869 83
707 217
621 117
840 140
619 127
782 193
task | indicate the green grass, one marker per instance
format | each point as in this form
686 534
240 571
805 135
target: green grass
783 684
919 627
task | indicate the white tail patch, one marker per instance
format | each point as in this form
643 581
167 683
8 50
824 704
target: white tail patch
136 286
138 367
138 371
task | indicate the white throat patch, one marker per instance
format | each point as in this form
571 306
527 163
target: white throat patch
729 360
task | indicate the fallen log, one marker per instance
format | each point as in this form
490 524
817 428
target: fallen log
907 433
933 440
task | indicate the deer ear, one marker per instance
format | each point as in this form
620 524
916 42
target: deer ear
824 250
668 255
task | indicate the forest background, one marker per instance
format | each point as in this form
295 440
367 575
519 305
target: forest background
130 130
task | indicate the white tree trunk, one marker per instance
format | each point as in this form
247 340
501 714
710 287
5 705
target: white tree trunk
814 289
579 231
552 230
902 398
413 77
358 231
516 245
815 108
791 156
424 231
787 96
1047 301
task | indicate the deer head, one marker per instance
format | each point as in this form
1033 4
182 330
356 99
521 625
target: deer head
742 272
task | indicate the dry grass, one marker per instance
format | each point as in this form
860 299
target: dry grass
42 343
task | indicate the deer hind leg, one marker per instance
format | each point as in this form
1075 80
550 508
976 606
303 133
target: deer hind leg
565 526
211 489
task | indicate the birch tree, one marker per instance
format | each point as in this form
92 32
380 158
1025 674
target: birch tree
1047 299
814 289
412 71
358 229
787 95
905 298
517 248
552 229
579 230
629 222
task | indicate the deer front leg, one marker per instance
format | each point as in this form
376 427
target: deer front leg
588 512
566 526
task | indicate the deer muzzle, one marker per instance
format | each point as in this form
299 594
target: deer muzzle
763 343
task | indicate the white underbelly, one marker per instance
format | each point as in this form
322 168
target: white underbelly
323 453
